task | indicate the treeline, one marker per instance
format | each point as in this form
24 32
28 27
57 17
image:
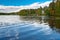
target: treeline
53 9
30 12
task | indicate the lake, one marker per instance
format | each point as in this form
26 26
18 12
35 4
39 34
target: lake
14 27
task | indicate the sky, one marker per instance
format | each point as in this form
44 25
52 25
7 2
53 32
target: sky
20 2
16 5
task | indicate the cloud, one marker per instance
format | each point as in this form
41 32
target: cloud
8 9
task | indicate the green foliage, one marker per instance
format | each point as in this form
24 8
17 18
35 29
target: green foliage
47 11
53 9
57 8
30 12
23 12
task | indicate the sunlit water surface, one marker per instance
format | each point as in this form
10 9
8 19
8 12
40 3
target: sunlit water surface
15 28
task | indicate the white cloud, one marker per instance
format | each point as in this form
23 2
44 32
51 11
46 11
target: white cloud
7 9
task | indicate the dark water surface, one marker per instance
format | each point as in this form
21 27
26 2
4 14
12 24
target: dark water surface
31 28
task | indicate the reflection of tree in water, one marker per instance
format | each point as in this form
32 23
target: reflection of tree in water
44 19
31 18
51 21
38 19
54 23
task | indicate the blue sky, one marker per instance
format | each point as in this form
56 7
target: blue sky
19 2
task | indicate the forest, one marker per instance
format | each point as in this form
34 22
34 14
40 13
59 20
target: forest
53 9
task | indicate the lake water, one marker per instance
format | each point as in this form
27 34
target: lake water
14 27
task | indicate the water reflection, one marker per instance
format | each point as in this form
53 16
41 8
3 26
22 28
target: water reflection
31 28
39 19
54 23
